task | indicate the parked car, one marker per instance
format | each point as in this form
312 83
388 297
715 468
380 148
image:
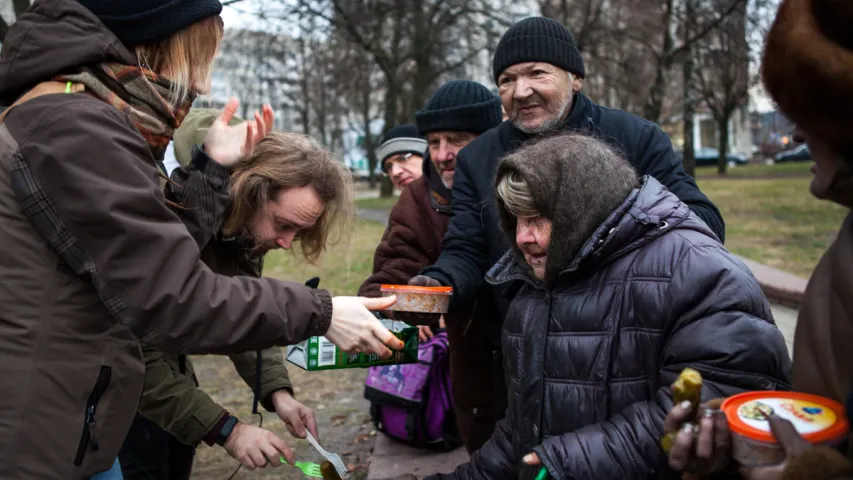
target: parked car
800 153
707 156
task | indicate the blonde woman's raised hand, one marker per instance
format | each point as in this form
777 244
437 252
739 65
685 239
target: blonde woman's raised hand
227 144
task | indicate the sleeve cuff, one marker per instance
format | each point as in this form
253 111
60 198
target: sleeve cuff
210 437
542 452
266 400
322 326
203 162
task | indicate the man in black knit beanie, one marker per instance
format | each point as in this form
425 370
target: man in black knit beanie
539 73
456 114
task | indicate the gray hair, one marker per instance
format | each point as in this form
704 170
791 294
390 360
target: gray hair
574 180
514 192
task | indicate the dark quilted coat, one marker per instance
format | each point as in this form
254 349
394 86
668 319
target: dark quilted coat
589 362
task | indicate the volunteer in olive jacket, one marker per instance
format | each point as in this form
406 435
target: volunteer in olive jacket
455 114
95 260
539 73
618 286
174 413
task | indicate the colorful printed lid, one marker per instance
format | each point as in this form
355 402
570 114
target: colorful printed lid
416 289
816 418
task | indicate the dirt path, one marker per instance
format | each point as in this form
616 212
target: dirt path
336 397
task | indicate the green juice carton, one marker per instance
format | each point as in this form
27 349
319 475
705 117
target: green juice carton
318 353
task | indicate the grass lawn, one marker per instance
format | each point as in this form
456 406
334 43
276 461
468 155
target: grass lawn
760 170
775 221
377 203
343 267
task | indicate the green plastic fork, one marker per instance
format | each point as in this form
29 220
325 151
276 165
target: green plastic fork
309 469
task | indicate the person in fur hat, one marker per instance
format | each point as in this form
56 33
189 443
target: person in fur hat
808 70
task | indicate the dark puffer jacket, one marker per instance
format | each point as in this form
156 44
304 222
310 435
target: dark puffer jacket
651 292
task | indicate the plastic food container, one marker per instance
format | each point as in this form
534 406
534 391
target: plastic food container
418 299
819 420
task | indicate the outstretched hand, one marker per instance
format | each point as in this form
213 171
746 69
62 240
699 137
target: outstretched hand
354 329
227 144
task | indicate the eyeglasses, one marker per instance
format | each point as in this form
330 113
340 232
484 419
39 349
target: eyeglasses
399 158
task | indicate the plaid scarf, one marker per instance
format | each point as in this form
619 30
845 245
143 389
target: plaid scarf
139 93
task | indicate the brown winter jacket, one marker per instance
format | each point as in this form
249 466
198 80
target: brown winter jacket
411 242
95 261
171 397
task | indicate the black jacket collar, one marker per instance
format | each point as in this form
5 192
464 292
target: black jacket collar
440 197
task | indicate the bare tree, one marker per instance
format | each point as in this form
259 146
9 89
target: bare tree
723 75
630 46
413 44
688 77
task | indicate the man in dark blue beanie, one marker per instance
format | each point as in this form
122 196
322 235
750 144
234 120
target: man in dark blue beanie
539 72
456 114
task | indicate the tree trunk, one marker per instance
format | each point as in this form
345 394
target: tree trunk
723 135
386 188
368 144
422 80
654 102
689 113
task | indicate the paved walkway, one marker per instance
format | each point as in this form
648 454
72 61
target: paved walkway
786 320
373 214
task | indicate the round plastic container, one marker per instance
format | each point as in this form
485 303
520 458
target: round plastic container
819 420
418 299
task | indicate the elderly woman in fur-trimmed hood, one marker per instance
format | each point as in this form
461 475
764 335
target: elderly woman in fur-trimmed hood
808 70
618 286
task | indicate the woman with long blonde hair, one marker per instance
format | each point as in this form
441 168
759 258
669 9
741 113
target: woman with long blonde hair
96 261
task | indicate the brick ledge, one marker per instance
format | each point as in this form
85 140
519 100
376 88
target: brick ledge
779 286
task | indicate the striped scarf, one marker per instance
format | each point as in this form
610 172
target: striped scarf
141 94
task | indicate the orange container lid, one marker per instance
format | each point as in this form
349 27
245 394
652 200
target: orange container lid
817 419
416 289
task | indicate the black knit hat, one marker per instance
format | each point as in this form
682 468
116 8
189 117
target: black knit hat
538 39
401 139
460 105
137 22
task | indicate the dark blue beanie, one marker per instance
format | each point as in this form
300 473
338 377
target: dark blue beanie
538 39
137 22
460 105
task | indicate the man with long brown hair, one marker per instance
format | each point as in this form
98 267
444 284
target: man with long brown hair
175 414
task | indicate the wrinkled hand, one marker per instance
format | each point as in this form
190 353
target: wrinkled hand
413 318
256 448
425 333
705 452
791 441
354 329
296 416
227 145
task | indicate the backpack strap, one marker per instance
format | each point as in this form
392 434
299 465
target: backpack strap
43 88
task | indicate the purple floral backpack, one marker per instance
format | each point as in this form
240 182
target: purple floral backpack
412 403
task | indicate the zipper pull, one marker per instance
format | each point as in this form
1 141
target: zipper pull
90 421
